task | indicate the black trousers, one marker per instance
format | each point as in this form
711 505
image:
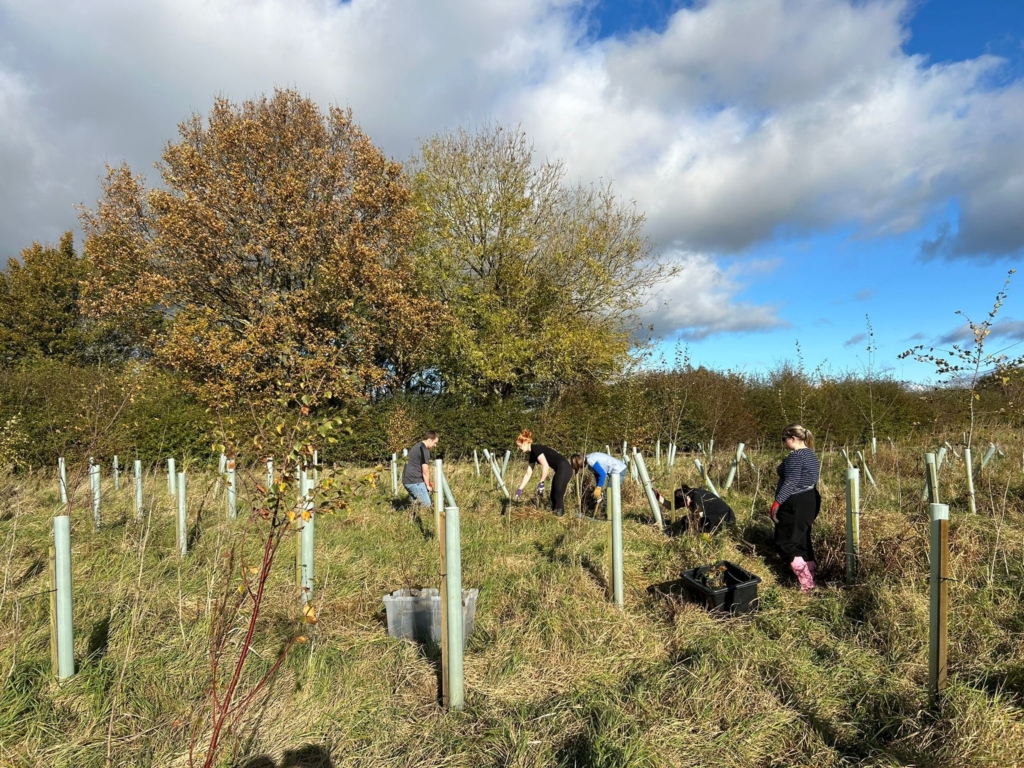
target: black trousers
793 529
563 474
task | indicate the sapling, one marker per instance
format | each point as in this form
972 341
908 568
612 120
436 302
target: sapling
966 366
236 612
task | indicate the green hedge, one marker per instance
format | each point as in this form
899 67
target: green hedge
66 409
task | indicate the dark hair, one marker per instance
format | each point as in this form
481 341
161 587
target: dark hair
430 435
800 433
577 462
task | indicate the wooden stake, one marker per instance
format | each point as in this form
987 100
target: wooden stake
931 478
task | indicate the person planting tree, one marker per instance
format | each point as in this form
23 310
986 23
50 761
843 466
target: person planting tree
797 503
710 511
549 460
602 465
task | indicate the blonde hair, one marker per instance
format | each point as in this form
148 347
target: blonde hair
526 436
800 433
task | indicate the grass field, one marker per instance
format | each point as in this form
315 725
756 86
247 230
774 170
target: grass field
555 674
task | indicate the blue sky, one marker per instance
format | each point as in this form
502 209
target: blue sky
832 284
801 163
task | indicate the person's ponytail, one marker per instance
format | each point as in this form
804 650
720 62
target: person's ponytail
800 432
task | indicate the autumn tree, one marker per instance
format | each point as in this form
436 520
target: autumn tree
542 279
274 252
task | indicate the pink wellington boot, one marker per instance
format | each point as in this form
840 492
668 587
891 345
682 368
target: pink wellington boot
803 574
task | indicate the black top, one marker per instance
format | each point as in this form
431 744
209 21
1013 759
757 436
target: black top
419 455
554 457
716 512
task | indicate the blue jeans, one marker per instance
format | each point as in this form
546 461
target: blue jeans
419 494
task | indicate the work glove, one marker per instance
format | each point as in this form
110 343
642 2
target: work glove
773 511
540 487
519 493
597 493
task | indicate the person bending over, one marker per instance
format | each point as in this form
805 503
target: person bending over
711 512
602 465
416 474
797 503
550 460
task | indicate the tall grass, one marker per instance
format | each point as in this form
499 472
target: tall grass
555 674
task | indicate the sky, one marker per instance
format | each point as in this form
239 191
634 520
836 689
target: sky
807 166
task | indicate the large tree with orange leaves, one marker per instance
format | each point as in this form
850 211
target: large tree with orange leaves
273 254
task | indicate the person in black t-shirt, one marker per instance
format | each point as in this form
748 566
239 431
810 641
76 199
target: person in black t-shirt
416 474
550 460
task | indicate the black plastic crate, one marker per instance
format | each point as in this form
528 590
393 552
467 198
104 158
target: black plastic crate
739 595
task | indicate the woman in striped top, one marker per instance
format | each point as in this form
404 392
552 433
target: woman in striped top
797 503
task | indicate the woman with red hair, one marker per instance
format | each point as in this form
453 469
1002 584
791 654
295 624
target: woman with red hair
550 460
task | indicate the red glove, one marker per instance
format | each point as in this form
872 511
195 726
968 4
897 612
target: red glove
773 510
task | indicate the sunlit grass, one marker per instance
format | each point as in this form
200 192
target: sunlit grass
555 674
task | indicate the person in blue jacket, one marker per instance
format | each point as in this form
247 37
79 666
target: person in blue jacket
602 465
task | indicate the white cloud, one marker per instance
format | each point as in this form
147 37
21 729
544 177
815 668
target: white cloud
751 117
742 119
111 79
700 300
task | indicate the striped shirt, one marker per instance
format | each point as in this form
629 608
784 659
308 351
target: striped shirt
798 472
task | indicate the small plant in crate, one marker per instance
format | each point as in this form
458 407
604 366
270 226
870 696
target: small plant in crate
714 577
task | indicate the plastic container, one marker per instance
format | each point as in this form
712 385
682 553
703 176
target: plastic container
415 614
739 595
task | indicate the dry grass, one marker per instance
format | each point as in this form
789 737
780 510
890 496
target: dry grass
555 674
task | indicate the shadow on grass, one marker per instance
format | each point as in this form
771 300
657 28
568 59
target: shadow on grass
757 541
425 532
854 746
595 571
306 756
576 751
432 653
36 567
550 552
99 639
1008 684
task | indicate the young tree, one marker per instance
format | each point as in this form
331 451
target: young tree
276 250
966 366
542 280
